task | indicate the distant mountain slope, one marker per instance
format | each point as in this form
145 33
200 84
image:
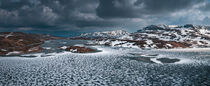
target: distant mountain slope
155 36
107 34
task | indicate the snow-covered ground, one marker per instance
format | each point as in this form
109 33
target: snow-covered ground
112 66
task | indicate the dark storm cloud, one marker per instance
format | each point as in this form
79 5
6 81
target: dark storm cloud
44 13
138 8
205 7
50 15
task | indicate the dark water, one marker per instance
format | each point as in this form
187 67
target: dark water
112 66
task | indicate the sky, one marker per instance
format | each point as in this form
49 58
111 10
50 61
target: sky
72 17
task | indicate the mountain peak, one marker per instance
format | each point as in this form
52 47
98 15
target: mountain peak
154 27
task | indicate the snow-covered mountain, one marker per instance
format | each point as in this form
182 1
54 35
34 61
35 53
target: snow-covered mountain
195 35
155 36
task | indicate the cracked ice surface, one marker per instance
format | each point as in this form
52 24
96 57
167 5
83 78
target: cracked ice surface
109 67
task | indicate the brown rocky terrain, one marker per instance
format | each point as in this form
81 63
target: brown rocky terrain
17 43
158 44
79 49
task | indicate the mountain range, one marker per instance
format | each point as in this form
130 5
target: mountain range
154 36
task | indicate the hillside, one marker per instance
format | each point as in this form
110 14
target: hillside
154 36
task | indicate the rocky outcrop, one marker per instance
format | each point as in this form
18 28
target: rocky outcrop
17 43
79 49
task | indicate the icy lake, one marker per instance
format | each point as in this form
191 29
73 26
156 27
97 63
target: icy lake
112 66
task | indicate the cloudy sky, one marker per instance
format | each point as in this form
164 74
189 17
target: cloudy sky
78 16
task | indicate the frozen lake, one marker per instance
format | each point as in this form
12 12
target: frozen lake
112 66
